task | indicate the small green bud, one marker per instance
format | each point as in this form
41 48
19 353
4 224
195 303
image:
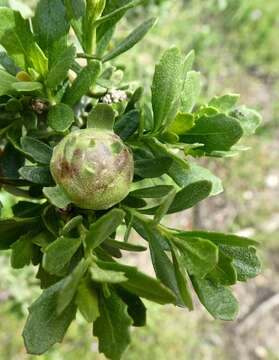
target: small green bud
94 168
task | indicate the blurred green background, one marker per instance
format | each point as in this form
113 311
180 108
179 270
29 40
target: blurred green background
237 50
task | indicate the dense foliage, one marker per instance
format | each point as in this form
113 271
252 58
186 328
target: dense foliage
54 89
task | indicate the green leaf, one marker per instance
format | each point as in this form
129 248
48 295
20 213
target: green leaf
44 327
8 64
126 246
218 238
51 220
113 12
36 174
60 117
75 8
153 192
22 251
224 273
217 132
134 99
140 284
191 91
103 228
188 63
70 286
131 40
60 67
72 224
187 197
59 253
152 168
198 173
106 276
12 229
16 36
136 308
182 123
85 79
224 103
128 124
217 299
6 81
164 207
166 85
112 326
179 166
87 301
50 23
26 209
244 260
27 86
38 150
134 202
249 119
162 264
57 196
199 256
101 117
182 281
43 239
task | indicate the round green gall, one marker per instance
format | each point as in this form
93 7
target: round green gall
94 168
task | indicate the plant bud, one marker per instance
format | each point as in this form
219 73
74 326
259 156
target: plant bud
93 167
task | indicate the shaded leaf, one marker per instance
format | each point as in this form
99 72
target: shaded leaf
38 150
112 326
44 327
128 124
22 251
36 174
103 228
12 229
157 191
136 308
152 168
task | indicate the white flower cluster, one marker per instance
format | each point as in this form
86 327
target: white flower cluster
114 96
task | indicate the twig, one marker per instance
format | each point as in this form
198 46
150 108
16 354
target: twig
252 319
